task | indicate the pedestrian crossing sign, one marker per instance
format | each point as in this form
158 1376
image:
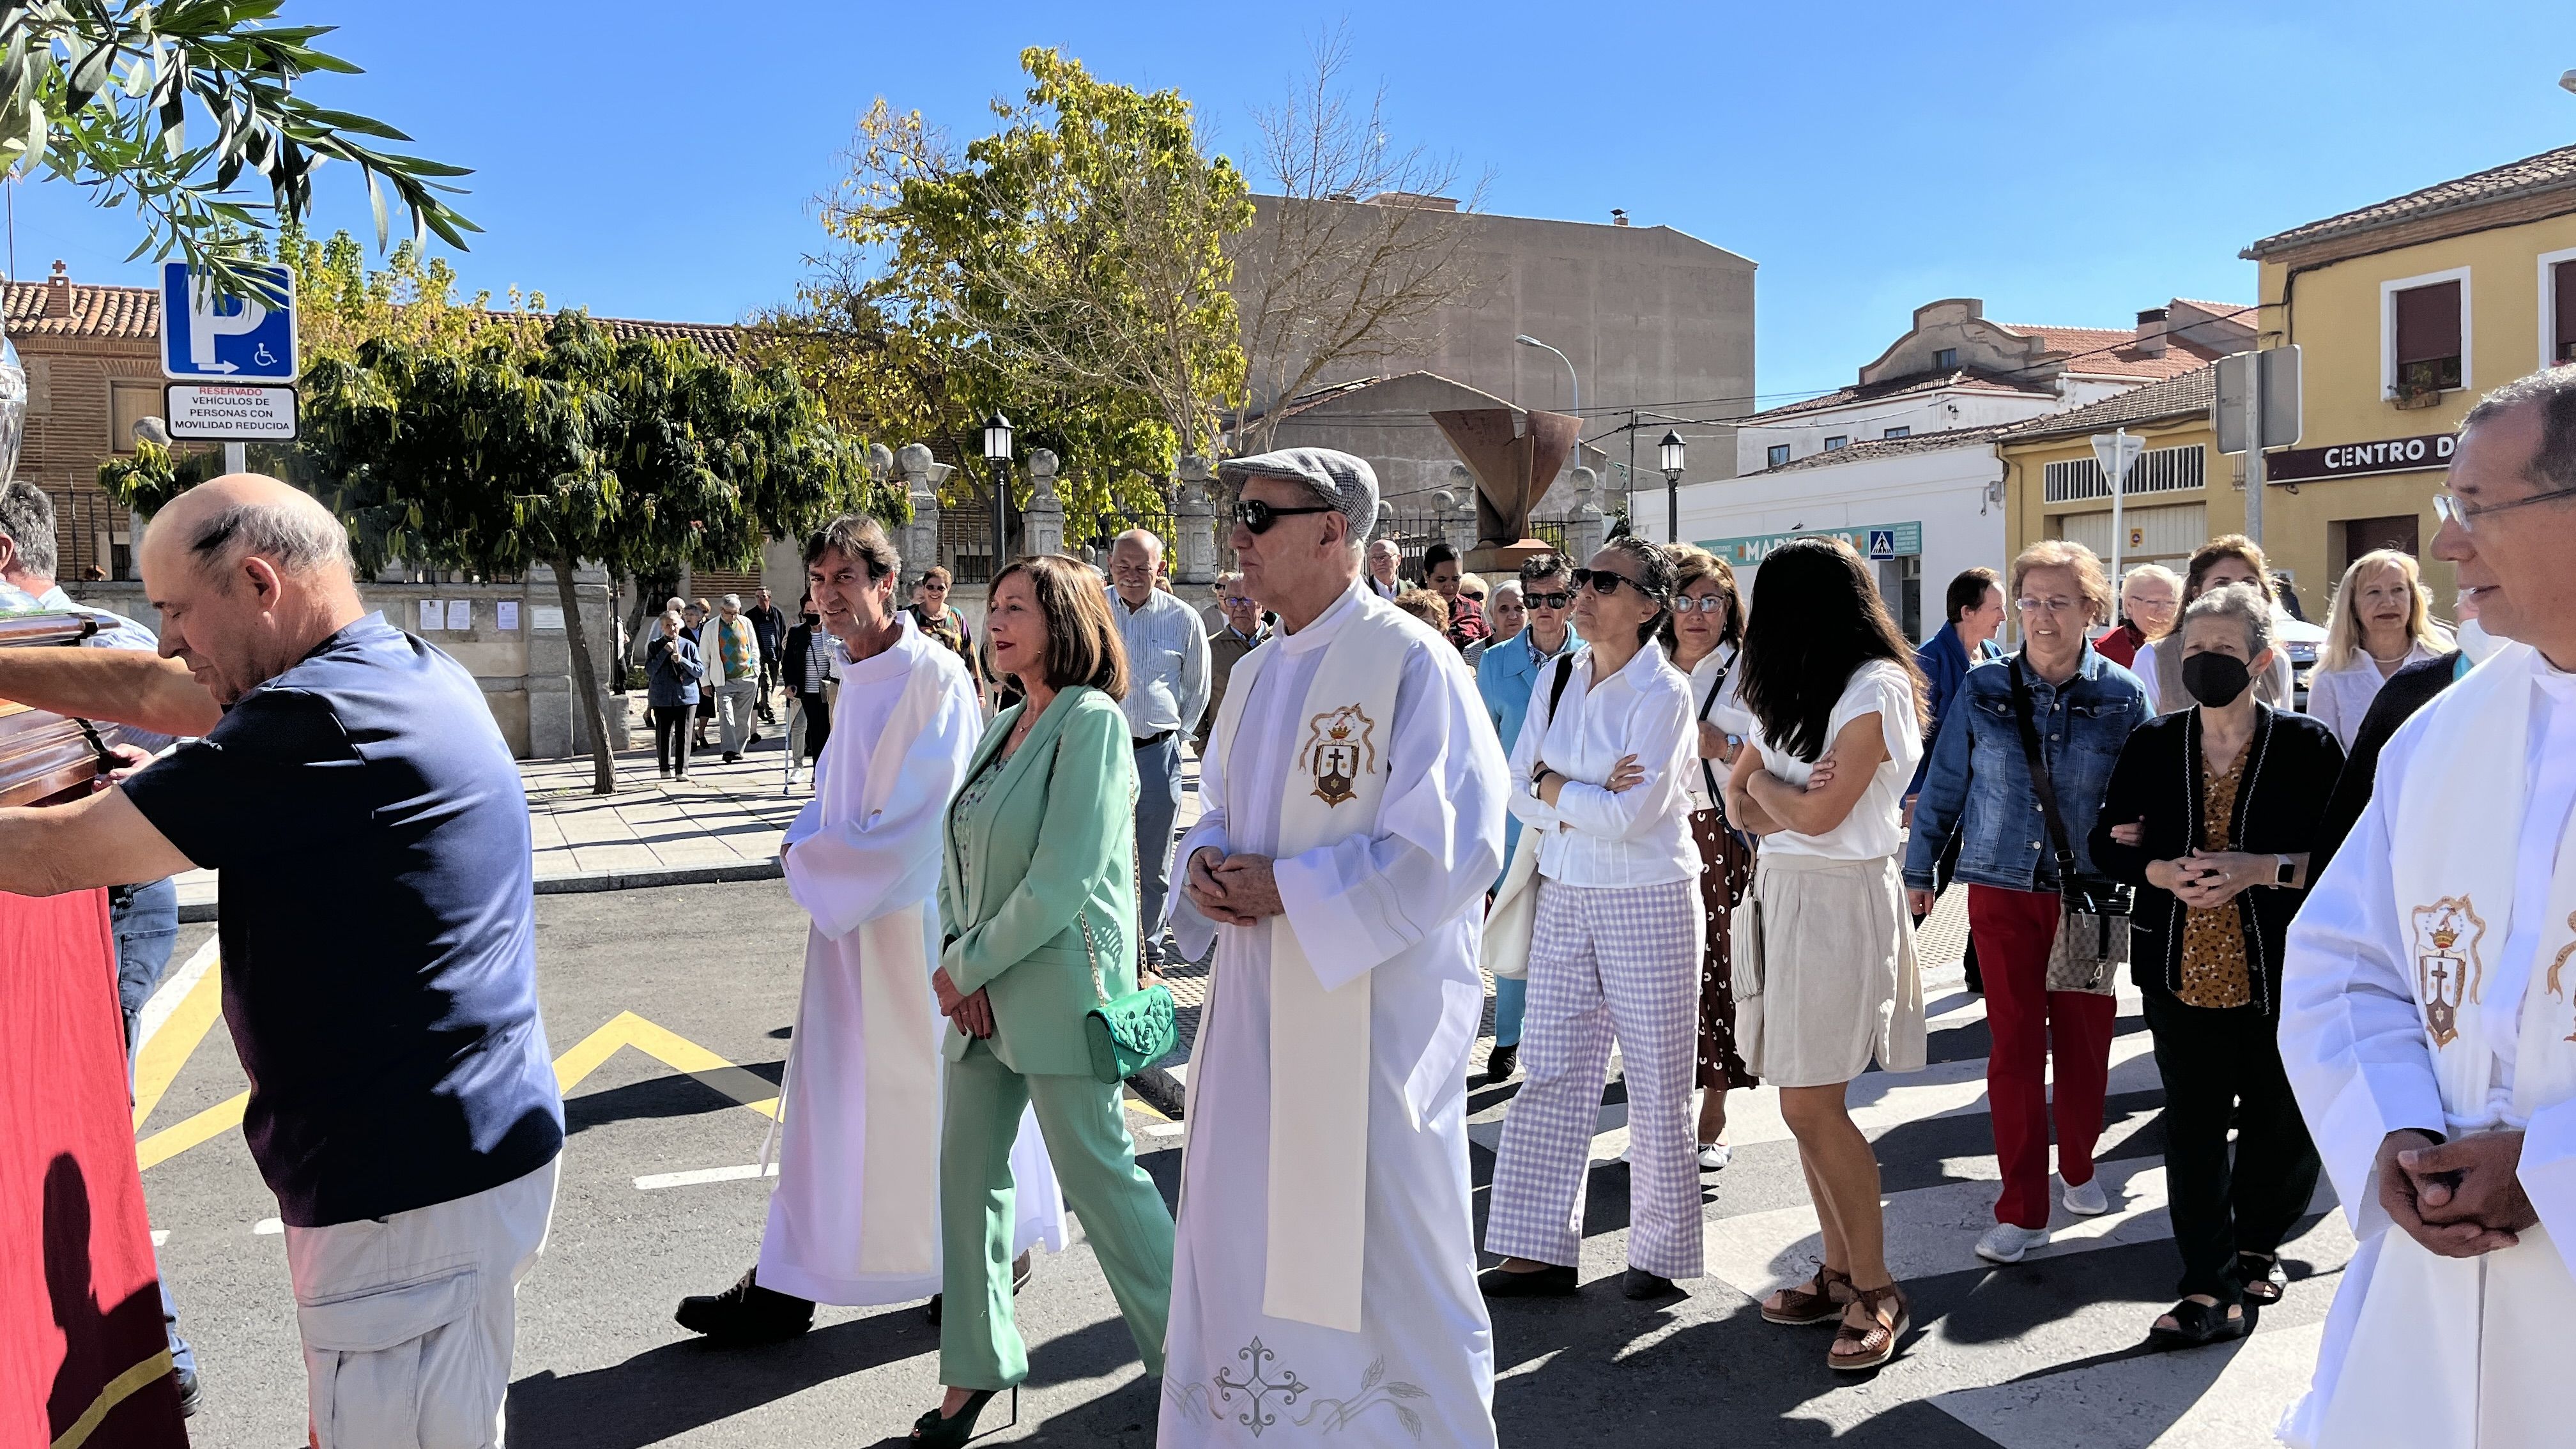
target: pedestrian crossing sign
1882 543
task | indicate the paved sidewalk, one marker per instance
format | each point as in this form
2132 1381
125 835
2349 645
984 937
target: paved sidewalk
723 824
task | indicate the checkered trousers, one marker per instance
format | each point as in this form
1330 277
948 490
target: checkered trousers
1606 963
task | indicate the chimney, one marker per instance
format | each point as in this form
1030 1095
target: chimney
58 292
2151 332
1618 216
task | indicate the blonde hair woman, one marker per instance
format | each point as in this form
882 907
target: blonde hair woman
2383 621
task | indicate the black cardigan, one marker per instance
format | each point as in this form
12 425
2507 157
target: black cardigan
2290 769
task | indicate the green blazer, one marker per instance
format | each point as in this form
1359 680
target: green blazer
1051 846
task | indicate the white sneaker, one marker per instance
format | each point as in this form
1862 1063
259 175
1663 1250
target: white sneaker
2088 1200
2006 1242
1713 1156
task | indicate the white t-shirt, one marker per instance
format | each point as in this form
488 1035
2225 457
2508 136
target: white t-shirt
1886 689
1727 713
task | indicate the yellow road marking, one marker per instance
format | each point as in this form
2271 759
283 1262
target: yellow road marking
157 1066
170 1141
623 1030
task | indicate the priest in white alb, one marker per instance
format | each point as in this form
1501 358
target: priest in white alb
2429 996
855 1216
1323 1283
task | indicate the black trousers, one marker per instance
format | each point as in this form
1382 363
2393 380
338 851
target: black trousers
818 724
2221 1066
671 737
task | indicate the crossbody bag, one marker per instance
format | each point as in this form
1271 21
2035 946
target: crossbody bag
2093 912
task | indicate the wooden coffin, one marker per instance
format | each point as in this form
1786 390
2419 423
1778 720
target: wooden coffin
45 756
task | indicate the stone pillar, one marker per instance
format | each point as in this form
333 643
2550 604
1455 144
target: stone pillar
1584 531
1042 522
919 544
1194 523
1456 504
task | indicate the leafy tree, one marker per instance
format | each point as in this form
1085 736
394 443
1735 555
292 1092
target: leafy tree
1068 269
500 453
98 93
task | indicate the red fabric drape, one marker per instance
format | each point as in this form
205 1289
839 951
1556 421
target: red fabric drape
80 1302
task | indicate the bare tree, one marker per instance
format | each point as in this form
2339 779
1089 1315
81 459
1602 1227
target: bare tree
1357 253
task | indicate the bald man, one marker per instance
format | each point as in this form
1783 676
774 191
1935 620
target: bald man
1167 692
378 940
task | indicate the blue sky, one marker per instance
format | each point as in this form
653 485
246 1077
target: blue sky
2069 164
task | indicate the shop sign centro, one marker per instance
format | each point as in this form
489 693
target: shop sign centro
2361 460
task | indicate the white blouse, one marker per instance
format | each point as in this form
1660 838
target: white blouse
1590 836
1871 831
1726 713
2343 697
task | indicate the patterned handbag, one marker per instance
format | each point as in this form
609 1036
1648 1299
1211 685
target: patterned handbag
1131 1033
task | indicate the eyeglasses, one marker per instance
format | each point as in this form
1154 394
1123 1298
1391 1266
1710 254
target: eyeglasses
1232 602
1704 604
1549 601
1607 584
1257 516
2054 606
2451 508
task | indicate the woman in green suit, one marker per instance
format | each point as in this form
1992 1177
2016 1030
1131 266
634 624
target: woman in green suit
1038 886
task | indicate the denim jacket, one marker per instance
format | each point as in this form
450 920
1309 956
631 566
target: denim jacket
1978 785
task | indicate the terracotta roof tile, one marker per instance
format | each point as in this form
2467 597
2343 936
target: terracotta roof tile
2548 171
2191 393
95 311
2113 351
723 339
1892 447
1964 380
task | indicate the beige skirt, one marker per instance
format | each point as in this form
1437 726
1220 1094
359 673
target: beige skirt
1831 981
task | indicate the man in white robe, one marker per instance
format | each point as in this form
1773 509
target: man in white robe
1323 1282
2428 1010
854 1219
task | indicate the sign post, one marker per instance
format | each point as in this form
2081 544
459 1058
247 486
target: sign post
2257 407
2117 453
231 360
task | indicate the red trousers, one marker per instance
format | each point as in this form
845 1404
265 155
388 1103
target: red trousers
2014 930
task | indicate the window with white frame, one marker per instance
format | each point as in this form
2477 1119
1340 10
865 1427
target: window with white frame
2558 307
2425 335
2158 470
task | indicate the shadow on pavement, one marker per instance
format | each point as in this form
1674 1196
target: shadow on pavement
670 1390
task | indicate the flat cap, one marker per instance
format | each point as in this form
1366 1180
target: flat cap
1338 478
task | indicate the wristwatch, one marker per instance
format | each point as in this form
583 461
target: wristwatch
2284 871
1537 779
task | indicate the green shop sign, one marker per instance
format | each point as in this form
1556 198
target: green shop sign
1869 540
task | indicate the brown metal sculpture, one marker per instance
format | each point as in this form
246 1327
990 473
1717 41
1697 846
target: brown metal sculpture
1513 461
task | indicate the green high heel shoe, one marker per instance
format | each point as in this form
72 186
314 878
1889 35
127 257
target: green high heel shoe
937 1431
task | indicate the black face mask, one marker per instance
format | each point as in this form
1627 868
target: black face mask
2215 679
813 619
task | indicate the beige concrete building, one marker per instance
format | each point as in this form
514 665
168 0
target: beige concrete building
1649 316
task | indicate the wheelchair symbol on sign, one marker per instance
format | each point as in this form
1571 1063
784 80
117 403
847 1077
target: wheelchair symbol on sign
263 357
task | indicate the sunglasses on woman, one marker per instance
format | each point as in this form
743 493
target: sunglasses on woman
1257 516
1549 601
1607 584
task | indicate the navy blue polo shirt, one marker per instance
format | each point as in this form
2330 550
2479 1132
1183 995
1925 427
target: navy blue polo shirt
378 927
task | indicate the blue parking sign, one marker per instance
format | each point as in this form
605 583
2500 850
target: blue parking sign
1882 543
208 337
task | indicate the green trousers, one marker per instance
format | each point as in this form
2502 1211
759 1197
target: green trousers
1095 1160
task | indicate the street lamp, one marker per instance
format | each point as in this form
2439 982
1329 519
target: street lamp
2567 82
997 454
1527 340
1670 453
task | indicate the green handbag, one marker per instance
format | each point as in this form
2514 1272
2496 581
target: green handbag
1131 1033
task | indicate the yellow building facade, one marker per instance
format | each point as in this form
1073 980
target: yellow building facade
2182 490
2405 313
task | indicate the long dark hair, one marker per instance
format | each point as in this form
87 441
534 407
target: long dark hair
1819 622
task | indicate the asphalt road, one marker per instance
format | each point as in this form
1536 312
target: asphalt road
2044 1353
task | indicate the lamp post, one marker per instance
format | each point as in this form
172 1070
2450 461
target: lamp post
1572 377
997 455
1670 453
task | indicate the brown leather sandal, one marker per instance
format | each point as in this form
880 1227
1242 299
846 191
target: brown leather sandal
1801 1306
1856 1349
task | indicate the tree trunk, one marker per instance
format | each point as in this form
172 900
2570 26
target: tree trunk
585 678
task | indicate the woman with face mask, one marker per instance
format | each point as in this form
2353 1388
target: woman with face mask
808 663
2221 865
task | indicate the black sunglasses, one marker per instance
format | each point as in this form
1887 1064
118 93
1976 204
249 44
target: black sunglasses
1606 584
1548 601
1257 516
